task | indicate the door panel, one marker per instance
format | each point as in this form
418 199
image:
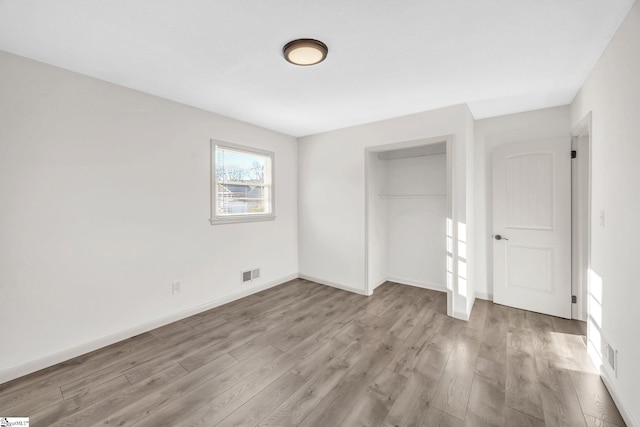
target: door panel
529 199
532 216
529 267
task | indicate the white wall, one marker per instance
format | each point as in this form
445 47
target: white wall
467 237
104 202
416 226
332 198
612 94
490 133
377 222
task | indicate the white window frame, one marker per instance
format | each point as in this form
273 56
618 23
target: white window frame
231 219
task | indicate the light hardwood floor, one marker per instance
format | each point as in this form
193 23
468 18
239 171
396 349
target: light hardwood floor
309 355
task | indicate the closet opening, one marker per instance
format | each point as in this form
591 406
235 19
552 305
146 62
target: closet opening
408 237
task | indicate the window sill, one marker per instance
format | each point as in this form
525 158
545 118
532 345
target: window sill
241 219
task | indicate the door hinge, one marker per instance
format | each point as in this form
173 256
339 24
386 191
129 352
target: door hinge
574 299
574 154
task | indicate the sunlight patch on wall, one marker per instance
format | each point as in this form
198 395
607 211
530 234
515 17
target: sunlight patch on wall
462 259
449 254
594 321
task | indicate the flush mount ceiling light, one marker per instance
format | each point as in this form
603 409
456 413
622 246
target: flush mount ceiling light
305 51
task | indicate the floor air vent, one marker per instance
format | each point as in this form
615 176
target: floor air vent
610 357
250 275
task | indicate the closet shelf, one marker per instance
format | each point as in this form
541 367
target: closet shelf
412 196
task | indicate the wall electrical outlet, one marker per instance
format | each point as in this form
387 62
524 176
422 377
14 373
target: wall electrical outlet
176 288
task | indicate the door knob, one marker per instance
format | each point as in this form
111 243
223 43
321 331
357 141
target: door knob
499 237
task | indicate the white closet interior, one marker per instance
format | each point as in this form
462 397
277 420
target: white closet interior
407 211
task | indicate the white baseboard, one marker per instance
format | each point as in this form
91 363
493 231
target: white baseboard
484 296
333 284
70 353
461 315
379 283
617 398
418 284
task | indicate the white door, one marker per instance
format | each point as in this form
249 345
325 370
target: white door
532 226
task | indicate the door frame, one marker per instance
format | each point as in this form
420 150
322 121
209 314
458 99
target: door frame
581 188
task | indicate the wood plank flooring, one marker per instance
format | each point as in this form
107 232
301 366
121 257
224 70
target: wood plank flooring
303 354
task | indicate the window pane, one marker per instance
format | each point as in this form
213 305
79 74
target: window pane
242 182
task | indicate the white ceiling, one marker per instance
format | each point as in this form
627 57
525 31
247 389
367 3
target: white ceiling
387 58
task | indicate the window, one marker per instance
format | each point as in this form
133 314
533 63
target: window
241 184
